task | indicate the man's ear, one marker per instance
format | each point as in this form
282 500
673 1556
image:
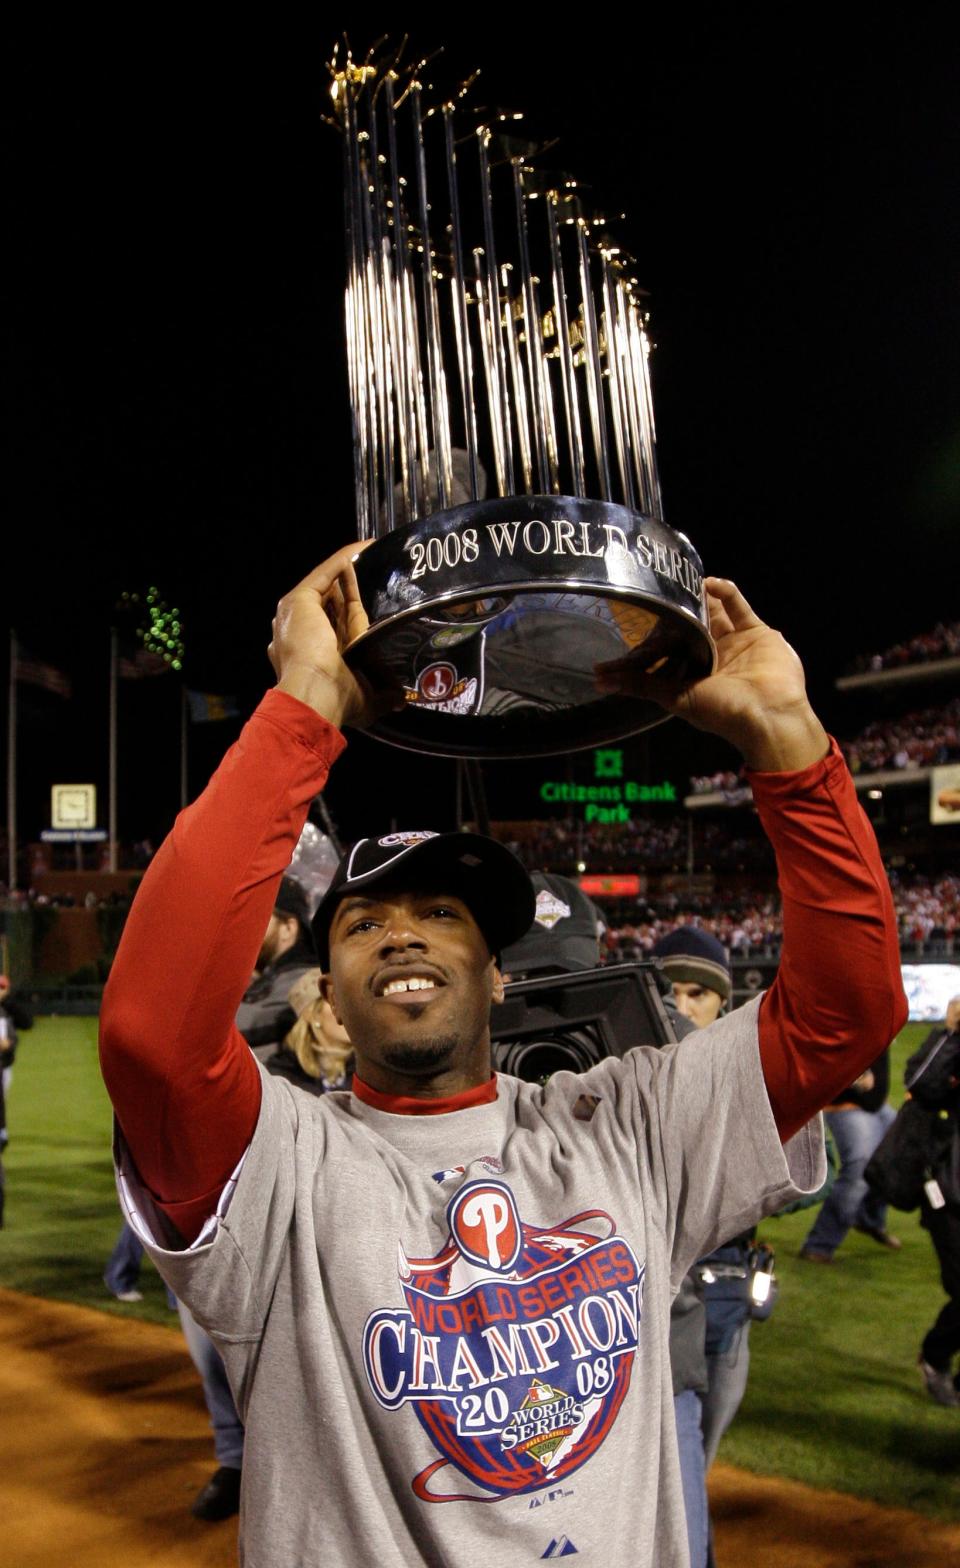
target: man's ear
329 995
497 995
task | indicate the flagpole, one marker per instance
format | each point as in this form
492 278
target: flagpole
183 748
12 767
112 826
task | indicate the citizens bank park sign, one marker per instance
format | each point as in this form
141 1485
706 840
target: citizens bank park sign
608 801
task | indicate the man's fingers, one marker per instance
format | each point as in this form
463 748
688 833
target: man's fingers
324 575
355 618
719 621
732 610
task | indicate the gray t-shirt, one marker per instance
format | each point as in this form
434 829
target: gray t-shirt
448 1334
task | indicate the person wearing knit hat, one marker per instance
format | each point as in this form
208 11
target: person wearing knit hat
698 968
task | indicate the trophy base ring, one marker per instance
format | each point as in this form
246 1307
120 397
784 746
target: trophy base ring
475 615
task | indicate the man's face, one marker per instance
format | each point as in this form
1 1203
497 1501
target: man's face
412 979
279 937
697 1002
953 1015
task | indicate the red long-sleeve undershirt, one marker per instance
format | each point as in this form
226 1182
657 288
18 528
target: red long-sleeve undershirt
185 1086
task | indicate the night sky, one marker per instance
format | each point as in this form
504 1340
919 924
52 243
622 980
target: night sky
177 403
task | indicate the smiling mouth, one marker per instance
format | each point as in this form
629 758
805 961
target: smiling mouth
411 985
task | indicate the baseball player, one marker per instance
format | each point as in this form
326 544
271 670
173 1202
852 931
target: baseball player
443 1296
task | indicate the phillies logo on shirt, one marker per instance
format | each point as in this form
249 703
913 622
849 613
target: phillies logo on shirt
485 1225
515 1344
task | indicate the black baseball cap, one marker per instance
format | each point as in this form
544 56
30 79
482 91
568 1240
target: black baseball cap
563 936
488 877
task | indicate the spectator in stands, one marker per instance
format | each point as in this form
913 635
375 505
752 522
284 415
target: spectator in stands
943 642
923 739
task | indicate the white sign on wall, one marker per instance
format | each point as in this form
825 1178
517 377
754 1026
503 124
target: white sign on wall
73 806
945 793
929 987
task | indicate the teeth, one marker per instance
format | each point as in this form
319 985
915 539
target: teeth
415 983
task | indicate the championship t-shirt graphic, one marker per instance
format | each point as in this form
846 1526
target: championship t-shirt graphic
515 1345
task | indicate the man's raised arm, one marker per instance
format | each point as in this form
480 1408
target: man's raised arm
838 997
184 1085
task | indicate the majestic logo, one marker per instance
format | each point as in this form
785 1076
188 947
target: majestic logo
515 1344
550 909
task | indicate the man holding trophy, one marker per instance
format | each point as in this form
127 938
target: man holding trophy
443 1297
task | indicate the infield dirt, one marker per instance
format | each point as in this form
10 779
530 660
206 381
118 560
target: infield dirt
104 1442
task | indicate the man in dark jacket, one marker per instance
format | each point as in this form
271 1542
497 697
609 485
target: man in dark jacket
265 1016
932 1077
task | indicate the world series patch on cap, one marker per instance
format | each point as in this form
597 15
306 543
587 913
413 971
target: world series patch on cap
486 875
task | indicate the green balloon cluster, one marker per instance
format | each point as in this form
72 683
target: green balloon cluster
160 630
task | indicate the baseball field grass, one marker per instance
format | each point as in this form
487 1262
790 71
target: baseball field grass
834 1398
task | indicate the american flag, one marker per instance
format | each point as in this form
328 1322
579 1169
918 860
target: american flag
35 673
143 664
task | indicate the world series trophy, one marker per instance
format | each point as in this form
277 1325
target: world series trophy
504 446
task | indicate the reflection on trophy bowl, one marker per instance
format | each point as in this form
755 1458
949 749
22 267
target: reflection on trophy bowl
492 618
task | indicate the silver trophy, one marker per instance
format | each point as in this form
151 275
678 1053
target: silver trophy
504 445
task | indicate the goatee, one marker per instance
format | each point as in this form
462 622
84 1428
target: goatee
422 1059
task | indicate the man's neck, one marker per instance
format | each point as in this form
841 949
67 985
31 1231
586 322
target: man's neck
422 1105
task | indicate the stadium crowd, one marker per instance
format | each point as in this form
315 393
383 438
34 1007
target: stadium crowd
928 908
646 844
748 925
923 739
942 642
745 926
730 784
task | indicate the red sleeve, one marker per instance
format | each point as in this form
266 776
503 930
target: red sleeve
838 998
183 1081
